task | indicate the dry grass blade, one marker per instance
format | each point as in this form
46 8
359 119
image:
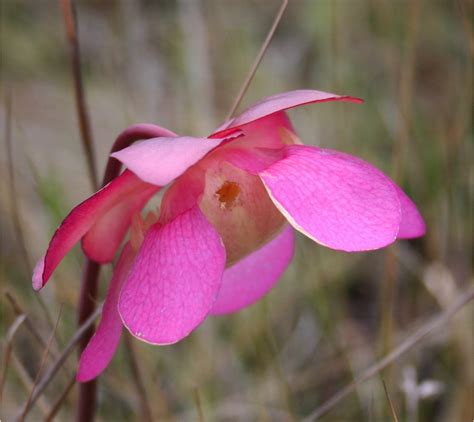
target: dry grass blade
27 406
259 58
29 324
8 349
60 400
12 183
15 212
54 368
197 401
411 341
82 114
390 403
27 382
137 379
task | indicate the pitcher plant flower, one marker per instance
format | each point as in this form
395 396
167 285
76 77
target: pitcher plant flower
224 231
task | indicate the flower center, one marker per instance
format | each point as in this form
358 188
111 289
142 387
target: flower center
227 194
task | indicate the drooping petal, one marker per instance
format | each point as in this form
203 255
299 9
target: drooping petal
412 224
174 280
280 102
101 348
339 201
161 160
80 220
252 278
104 238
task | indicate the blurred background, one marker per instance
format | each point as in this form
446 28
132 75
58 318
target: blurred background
180 64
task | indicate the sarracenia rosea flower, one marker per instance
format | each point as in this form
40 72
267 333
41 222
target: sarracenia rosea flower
221 238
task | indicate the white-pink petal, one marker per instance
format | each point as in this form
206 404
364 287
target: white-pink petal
174 280
338 200
101 348
252 278
161 160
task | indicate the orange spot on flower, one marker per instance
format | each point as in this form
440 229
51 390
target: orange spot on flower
227 194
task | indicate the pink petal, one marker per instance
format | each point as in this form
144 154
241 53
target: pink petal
101 348
252 278
412 224
260 146
252 160
335 199
81 219
174 280
183 194
104 238
161 160
280 102
264 133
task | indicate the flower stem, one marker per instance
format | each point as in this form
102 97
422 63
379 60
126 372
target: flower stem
87 391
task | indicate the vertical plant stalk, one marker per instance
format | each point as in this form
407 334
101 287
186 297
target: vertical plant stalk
259 58
87 391
86 404
68 11
390 280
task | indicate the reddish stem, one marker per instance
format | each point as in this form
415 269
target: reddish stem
88 296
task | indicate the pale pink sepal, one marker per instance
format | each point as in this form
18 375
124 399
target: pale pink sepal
174 280
102 241
280 102
252 278
161 160
80 220
101 348
412 224
338 200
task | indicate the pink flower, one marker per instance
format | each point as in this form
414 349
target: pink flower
222 238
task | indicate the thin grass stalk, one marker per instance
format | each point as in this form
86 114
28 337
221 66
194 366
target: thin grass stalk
28 404
390 403
27 382
18 310
62 398
138 380
15 211
69 16
198 403
7 349
258 59
58 363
